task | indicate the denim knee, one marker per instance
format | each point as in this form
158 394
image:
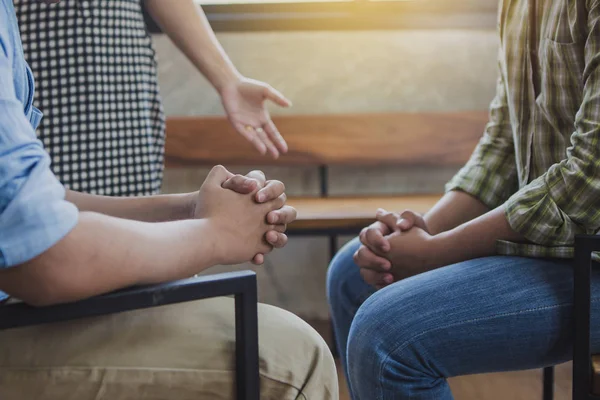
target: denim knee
367 345
342 273
382 344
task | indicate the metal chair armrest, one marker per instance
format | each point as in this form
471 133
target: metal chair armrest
241 284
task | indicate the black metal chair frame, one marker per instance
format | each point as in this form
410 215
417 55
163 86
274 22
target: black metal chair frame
585 245
582 358
241 284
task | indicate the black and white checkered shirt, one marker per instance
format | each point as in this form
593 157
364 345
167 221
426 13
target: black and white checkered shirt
96 81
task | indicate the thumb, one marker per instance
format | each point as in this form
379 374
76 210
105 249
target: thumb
390 219
408 219
258 176
276 97
240 184
218 175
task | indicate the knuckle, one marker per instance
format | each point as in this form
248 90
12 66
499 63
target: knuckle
238 179
363 239
282 239
407 213
287 215
218 169
362 254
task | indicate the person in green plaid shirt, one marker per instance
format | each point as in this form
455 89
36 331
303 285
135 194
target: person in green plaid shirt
483 281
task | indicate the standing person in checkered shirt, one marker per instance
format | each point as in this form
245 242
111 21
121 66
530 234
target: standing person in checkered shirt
96 73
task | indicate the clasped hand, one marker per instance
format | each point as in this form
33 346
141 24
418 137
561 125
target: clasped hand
395 247
247 211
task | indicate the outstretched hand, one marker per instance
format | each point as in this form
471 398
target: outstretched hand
244 102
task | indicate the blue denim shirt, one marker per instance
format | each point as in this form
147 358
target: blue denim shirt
33 212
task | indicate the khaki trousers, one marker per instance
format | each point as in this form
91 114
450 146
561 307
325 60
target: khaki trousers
177 352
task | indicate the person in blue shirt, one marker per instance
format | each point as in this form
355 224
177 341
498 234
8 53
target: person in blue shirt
60 246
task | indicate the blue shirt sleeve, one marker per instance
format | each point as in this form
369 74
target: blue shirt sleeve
33 212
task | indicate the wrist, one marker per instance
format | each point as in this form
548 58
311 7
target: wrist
444 249
431 226
225 78
216 236
204 243
184 205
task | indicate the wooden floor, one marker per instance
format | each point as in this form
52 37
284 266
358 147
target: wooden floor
525 385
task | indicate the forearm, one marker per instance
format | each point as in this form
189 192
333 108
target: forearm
454 209
102 254
474 239
186 24
149 209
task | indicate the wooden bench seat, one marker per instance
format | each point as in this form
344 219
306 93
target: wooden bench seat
404 139
351 213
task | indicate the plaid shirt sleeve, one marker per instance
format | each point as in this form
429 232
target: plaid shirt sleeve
491 173
565 200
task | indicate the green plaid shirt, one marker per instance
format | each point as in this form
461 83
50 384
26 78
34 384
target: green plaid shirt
540 153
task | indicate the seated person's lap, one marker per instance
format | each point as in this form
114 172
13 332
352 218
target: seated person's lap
489 314
183 351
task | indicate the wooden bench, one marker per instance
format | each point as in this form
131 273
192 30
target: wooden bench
401 139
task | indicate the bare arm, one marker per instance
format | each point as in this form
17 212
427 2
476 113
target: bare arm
454 209
171 207
415 251
186 24
475 238
103 253
160 208
244 99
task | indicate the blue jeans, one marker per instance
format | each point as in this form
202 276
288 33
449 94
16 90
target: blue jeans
485 315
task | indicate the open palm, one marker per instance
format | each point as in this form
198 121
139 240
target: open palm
244 103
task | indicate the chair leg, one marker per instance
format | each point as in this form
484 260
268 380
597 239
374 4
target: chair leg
548 393
246 343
